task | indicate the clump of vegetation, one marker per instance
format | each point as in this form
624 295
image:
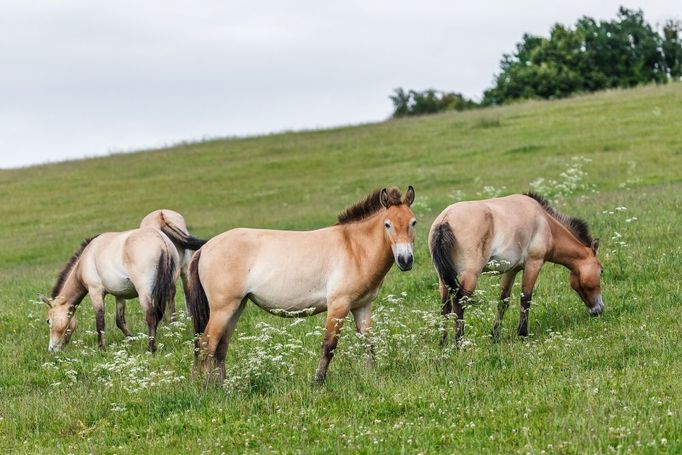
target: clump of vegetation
428 102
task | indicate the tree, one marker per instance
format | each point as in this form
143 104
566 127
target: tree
590 56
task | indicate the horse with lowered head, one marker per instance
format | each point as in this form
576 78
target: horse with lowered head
140 263
338 269
509 234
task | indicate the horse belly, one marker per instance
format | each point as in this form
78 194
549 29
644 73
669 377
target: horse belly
120 286
285 301
504 260
116 281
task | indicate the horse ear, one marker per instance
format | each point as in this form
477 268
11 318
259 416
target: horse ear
595 245
383 198
409 196
45 300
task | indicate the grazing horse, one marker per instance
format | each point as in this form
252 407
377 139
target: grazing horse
173 225
138 263
338 269
509 234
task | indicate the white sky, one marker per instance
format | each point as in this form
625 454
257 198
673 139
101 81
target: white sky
83 78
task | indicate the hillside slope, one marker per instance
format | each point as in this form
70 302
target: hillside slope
578 384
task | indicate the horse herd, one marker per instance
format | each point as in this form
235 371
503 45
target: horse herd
337 269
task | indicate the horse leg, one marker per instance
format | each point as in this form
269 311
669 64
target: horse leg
505 290
121 316
170 315
184 275
531 270
97 297
221 349
216 337
363 323
467 285
446 311
152 321
336 314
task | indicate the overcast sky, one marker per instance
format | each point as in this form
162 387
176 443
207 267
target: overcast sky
83 78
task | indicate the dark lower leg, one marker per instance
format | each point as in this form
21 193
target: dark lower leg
502 306
220 353
171 304
99 324
460 299
523 315
445 311
328 347
121 317
152 323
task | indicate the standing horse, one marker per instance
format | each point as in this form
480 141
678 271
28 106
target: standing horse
509 234
338 269
173 225
138 263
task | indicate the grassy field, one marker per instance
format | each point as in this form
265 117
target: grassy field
577 385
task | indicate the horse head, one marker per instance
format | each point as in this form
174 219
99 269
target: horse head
399 225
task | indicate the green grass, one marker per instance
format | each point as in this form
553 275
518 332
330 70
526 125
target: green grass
577 385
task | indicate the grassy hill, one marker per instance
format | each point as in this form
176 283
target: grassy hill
577 385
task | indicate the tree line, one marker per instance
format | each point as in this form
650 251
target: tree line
592 55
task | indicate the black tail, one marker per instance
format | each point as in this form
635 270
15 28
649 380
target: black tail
179 237
442 245
165 283
197 302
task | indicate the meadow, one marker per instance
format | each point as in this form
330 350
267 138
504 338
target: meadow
578 384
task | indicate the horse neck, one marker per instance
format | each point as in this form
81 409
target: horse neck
73 291
367 240
566 249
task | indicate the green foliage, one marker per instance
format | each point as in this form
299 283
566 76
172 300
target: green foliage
577 385
591 56
428 102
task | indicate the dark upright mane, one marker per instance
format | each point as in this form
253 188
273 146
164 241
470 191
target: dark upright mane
577 226
369 206
69 265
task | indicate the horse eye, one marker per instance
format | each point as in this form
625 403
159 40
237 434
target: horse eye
414 223
47 321
387 225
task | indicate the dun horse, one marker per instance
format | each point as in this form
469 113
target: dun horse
173 225
509 234
338 269
138 263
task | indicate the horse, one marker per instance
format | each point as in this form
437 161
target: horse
137 263
338 269
173 225
509 234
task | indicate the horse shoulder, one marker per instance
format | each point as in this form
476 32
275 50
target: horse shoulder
541 241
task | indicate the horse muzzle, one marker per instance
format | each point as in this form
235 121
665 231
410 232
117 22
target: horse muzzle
403 256
598 307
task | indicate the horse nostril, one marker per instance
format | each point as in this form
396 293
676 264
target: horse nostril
405 262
